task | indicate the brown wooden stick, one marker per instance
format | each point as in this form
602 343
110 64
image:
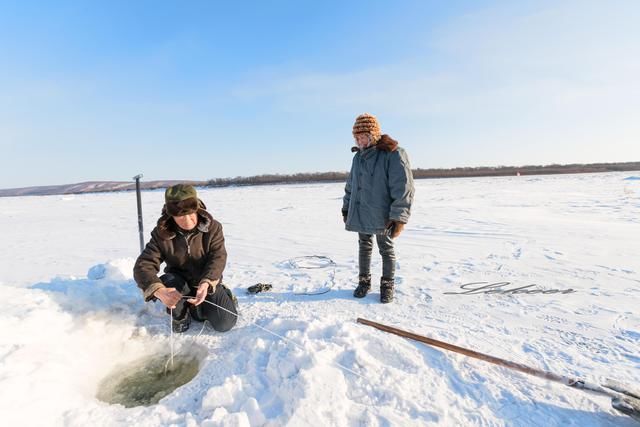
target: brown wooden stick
471 353
624 401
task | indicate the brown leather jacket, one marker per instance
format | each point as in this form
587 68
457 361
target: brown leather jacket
197 256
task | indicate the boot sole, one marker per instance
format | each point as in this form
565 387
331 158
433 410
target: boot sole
362 296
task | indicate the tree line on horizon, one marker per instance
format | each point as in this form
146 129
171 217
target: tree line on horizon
458 172
266 179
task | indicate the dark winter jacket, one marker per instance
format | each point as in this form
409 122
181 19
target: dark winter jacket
379 188
198 255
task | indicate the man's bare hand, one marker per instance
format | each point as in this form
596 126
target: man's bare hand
168 296
203 288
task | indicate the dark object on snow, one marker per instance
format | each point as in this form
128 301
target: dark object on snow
364 286
386 290
259 287
624 399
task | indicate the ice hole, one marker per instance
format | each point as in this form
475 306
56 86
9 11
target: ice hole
145 381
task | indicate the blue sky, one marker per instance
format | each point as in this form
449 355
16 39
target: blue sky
199 90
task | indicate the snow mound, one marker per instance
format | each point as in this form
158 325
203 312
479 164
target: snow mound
62 338
221 418
109 287
119 269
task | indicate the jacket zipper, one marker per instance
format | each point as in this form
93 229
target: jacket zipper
186 239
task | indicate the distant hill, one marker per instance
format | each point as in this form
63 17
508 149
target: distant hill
91 187
107 186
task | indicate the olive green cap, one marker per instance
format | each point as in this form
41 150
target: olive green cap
180 192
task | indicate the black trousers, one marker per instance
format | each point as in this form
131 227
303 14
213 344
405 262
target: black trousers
220 319
385 247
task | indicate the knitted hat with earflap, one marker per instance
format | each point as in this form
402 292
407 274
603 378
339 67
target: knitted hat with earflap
367 123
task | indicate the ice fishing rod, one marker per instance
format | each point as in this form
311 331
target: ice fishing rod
623 400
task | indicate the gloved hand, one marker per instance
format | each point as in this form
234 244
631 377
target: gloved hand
344 216
395 228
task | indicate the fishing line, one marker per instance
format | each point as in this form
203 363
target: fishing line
170 360
171 339
288 340
302 263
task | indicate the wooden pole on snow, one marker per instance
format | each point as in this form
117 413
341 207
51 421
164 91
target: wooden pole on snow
624 400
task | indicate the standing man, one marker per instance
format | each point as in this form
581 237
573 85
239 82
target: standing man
191 243
377 201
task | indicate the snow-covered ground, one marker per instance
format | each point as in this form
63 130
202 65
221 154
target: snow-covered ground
73 313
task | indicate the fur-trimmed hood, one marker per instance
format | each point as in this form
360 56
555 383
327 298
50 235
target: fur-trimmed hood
385 143
166 225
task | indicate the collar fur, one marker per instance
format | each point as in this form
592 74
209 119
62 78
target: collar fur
167 228
385 143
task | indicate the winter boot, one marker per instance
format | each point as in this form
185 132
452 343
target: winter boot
386 290
181 325
364 286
